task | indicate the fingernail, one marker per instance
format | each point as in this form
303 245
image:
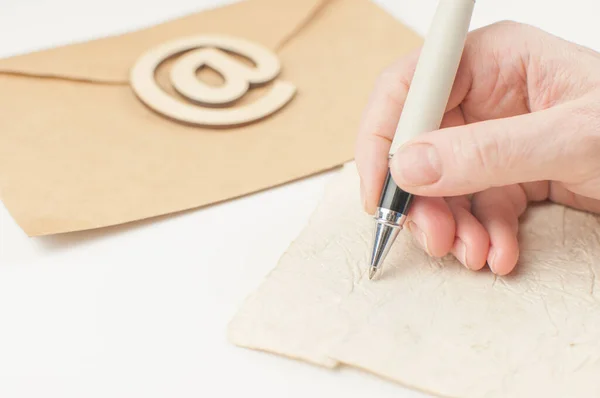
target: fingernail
492 260
419 235
460 251
417 164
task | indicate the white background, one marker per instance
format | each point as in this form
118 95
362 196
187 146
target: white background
142 310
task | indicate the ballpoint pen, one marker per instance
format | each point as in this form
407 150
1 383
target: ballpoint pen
423 111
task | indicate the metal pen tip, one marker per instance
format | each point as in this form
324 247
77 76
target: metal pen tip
372 272
384 237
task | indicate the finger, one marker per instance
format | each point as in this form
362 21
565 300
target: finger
471 158
484 51
577 196
568 196
430 220
498 210
378 126
471 241
431 223
380 120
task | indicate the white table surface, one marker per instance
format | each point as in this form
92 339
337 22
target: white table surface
141 311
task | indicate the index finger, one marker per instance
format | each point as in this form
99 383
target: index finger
380 120
378 126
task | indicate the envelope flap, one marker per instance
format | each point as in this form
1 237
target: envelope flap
109 60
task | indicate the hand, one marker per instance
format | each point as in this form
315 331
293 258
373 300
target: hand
522 125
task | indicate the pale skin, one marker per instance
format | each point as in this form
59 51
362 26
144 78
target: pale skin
522 126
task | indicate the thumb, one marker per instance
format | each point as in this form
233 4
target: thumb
546 145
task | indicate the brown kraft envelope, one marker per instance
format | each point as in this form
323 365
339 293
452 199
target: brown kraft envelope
81 149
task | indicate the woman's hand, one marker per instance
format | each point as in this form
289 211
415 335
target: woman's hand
522 125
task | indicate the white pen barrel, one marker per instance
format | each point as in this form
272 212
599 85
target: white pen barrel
436 71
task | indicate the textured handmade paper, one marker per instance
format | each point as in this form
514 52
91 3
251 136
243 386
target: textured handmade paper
432 324
79 150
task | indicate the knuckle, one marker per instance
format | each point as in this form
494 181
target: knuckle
484 153
507 23
487 154
506 32
392 86
502 27
384 77
388 76
517 27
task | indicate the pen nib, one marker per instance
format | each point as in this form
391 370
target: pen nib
372 272
384 237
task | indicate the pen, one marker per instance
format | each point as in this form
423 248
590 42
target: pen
423 111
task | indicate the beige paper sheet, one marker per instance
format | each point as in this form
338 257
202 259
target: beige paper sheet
432 324
79 150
